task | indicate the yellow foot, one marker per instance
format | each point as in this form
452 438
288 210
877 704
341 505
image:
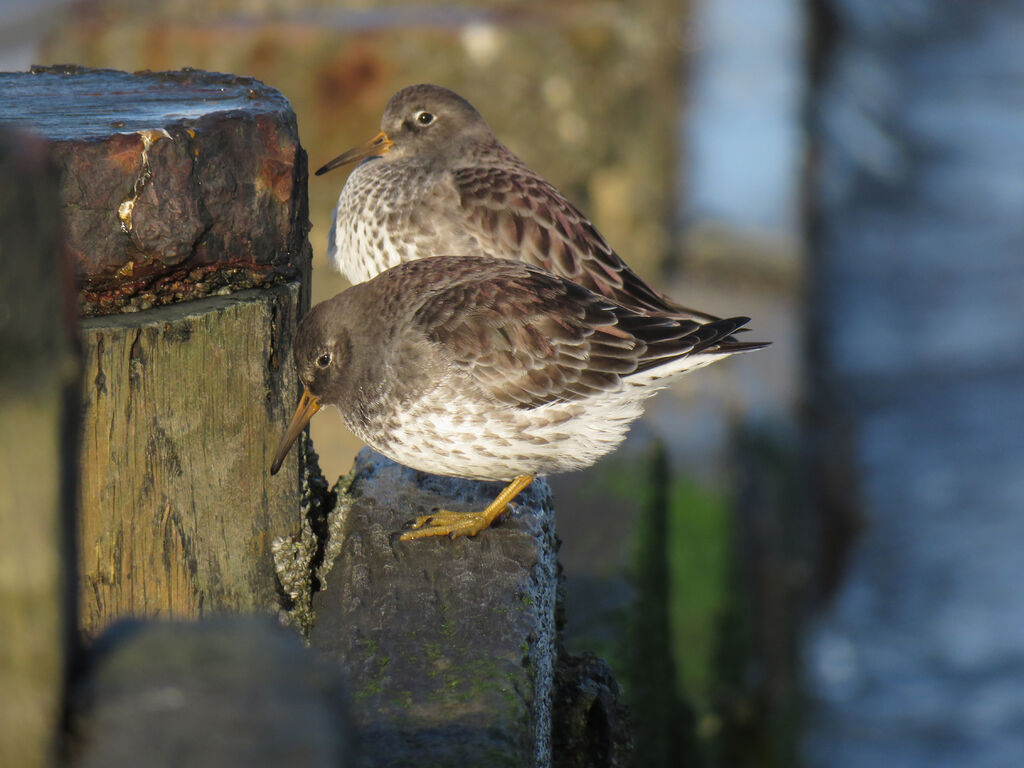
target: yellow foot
452 524
444 522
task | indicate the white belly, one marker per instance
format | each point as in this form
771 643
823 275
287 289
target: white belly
384 218
461 440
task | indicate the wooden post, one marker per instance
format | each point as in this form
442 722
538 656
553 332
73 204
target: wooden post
38 426
231 692
915 384
450 646
185 204
178 510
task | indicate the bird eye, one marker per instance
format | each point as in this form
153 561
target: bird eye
324 360
424 118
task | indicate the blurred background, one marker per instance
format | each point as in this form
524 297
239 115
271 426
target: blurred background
809 555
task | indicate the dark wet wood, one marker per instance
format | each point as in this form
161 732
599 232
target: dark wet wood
450 645
174 185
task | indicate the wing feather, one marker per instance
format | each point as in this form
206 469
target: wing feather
529 338
515 214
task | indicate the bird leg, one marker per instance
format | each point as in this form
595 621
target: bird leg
444 522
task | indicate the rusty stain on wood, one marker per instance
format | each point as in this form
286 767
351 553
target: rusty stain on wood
174 185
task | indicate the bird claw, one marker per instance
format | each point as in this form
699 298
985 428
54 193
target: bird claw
444 522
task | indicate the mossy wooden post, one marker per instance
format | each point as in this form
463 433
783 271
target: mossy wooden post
450 646
184 197
38 392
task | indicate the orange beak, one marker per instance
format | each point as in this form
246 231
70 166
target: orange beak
308 406
375 147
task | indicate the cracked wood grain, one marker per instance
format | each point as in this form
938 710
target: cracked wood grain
177 508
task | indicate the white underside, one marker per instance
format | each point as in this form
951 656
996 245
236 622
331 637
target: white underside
468 437
351 248
462 437
380 222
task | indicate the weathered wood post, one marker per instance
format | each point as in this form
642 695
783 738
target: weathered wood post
231 692
450 645
452 648
185 204
916 289
38 430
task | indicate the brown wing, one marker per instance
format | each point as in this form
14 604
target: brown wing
515 214
530 338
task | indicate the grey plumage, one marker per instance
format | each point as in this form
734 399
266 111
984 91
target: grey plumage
491 369
446 185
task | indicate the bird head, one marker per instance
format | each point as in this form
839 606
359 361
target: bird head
323 355
425 121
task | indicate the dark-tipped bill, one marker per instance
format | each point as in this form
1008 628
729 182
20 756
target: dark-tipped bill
308 406
375 147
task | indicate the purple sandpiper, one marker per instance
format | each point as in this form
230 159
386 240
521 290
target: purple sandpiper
435 180
489 369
